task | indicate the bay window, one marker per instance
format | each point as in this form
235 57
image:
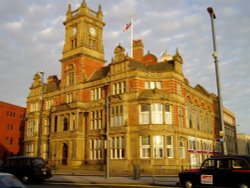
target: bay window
155 113
145 147
170 148
158 147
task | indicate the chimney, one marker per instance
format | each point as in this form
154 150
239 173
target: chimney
138 50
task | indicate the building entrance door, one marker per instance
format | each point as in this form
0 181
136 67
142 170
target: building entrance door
64 154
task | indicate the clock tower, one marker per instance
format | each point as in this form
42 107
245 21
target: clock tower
83 51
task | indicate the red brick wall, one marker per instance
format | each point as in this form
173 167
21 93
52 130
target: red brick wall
11 127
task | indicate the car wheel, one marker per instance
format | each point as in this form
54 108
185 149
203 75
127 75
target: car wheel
40 181
243 185
188 184
25 179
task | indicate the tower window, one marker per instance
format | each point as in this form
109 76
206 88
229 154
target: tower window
92 44
69 98
70 75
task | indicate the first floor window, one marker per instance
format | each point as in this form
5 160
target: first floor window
117 116
34 107
32 127
180 116
46 127
168 115
157 113
117 148
145 146
144 114
158 147
96 119
96 93
118 88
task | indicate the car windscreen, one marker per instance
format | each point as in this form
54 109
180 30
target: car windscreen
10 181
38 162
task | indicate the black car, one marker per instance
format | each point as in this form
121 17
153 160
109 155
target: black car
26 168
8 180
219 171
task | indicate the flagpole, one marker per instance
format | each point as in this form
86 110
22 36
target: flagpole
131 42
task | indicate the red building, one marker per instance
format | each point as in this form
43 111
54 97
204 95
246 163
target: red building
11 129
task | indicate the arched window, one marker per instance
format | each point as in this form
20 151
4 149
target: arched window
65 124
64 154
55 126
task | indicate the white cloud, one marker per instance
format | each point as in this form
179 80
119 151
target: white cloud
14 26
32 38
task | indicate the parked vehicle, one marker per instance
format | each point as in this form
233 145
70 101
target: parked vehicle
219 171
8 180
27 168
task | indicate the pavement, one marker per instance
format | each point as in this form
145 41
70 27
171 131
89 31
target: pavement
99 177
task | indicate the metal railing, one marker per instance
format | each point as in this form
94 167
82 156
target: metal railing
168 173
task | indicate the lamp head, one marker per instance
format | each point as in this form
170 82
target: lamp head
211 12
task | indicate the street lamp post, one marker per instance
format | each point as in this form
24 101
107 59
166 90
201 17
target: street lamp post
107 132
216 61
40 118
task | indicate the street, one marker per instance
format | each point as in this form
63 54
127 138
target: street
73 185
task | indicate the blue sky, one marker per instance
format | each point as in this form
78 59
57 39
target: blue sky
32 37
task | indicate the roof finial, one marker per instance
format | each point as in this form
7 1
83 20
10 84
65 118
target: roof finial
177 52
84 4
69 8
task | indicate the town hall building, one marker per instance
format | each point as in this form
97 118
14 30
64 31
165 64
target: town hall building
141 109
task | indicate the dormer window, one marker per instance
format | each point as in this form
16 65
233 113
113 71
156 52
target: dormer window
153 85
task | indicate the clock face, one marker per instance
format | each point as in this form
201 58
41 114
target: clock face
92 31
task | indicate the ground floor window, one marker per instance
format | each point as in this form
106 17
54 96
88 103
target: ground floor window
182 148
95 147
145 146
161 146
29 149
117 148
158 146
170 147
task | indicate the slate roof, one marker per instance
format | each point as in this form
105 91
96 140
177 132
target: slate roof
133 65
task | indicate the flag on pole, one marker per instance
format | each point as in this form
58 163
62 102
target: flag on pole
127 26
125 29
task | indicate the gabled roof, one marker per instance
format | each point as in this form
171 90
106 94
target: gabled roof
202 90
133 65
159 67
101 73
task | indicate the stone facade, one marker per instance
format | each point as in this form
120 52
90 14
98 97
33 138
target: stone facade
243 144
146 109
